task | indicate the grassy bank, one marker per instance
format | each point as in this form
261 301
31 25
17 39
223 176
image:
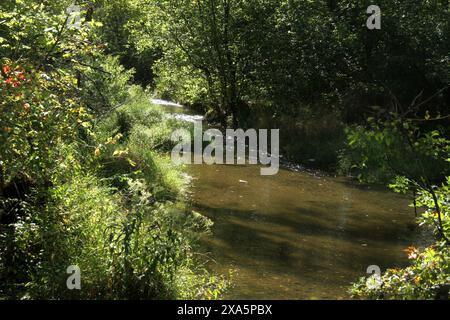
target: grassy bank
115 206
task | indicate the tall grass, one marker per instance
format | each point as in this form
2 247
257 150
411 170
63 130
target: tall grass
117 209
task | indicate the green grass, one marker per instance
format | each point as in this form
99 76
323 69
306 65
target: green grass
117 208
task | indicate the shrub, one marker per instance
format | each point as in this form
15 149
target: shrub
78 187
105 85
420 159
126 244
428 276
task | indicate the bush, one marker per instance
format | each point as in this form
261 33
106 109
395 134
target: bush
428 276
81 187
377 153
105 85
135 250
420 159
34 121
129 243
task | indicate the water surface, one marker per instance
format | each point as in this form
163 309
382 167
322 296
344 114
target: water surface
296 235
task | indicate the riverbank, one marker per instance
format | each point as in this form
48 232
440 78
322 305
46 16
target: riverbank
115 213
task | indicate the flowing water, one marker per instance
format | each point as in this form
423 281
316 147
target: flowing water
297 235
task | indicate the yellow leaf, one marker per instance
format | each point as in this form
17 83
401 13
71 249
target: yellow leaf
131 162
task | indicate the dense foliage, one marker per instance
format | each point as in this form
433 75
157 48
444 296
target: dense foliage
84 179
428 275
417 161
84 174
285 63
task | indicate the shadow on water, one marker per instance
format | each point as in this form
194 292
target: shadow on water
295 235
